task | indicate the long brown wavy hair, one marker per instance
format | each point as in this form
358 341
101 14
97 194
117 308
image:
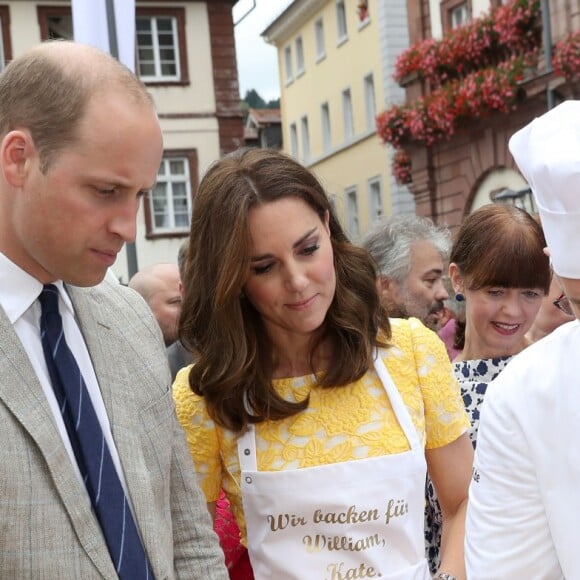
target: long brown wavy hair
234 368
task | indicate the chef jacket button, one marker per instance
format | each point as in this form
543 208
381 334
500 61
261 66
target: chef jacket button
248 479
247 451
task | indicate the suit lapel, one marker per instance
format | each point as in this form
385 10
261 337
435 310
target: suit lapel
21 392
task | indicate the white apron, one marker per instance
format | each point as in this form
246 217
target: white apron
350 520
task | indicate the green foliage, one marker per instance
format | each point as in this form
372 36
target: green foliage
253 100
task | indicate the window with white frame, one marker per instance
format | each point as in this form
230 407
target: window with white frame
170 201
299 56
158 57
375 198
320 44
459 15
161 55
352 220
341 20
305 139
326 136
288 64
347 115
370 102
294 140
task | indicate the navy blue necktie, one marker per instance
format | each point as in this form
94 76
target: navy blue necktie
90 448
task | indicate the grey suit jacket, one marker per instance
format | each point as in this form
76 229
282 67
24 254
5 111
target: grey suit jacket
47 528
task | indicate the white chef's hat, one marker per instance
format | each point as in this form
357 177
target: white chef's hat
547 151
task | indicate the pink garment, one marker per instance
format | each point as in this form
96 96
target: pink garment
447 335
236 554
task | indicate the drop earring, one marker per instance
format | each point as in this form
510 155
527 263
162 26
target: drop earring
459 297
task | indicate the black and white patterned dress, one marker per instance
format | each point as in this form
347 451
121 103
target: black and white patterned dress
473 377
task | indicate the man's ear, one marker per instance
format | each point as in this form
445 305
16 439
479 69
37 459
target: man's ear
388 290
16 151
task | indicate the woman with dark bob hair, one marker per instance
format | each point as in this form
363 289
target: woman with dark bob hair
315 414
499 270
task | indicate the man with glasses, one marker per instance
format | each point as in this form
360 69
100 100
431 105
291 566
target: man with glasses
522 520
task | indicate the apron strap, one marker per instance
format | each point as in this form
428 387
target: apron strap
399 408
247 450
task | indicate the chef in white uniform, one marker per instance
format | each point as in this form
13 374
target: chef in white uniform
523 519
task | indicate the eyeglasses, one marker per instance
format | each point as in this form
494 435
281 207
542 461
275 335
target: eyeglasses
562 303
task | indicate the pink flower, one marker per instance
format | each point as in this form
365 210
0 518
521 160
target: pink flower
513 28
566 58
401 167
472 72
438 115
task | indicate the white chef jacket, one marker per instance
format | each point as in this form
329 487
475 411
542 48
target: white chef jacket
523 517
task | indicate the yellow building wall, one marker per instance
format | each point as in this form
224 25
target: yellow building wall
349 162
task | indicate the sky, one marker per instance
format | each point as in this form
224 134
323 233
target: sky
257 60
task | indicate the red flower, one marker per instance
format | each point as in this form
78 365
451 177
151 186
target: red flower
566 59
401 167
513 28
362 9
438 115
472 72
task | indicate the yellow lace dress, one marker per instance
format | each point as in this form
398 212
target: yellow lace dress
341 424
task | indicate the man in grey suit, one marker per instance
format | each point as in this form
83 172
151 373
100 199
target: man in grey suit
80 143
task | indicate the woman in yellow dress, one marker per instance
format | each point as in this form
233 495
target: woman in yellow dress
316 414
